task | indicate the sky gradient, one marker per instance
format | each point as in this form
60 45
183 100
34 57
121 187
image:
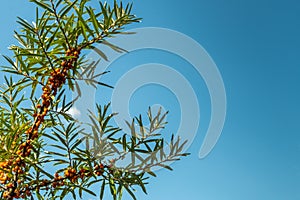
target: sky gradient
256 46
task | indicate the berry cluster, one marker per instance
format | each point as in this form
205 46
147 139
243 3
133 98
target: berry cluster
71 174
11 169
99 169
4 166
57 78
6 178
25 149
58 181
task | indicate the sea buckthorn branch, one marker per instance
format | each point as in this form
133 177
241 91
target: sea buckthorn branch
143 145
51 53
54 83
69 177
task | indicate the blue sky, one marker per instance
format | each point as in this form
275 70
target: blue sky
256 46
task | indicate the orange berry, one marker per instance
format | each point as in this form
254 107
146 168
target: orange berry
99 173
54 184
9 185
68 52
76 54
16 168
6 194
19 152
18 160
67 174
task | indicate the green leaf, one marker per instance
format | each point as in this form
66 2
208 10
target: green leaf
10 61
84 24
124 142
56 153
26 25
165 166
94 20
62 140
151 173
43 5
114 47
112 187
87 191
100 53
66 9
130 192
52 38
102 189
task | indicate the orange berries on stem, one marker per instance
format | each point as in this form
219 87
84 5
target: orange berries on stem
11 168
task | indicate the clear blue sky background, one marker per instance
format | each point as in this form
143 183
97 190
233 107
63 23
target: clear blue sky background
256 46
